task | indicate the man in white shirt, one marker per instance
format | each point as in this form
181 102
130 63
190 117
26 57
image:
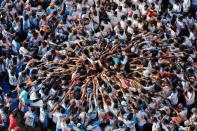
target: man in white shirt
44 116
156 125
58 118
30 118
141 117
186 5
173 97
12 79
107 27
114 19
23 51
176 8
189 97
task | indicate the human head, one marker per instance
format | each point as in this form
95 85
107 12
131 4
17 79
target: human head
52 5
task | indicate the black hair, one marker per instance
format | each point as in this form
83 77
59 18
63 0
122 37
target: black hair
62 110
120 94
14 114
67 121
33 109
117 87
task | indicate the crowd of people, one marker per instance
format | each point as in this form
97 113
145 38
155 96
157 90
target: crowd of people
99 65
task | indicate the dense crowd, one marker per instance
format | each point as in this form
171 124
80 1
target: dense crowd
100 65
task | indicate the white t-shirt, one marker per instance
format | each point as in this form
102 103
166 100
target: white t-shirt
9 63
191 36
33 96
37 103
125 10
186 5
149 88
89 27
130 30
141 6
173 98
107 27
141 118
82 116
30 119
176 8
123 24
135 1
144 12
140 25
128 123
122 37
108 128
15 46
155 126
42 115
52 92
96 19
76 13
65 127
119 13
90 2
12 79
187 42
92 128
183 114
190 98
150 1
23 51
118 2
114 20
134 23
57 118
2 68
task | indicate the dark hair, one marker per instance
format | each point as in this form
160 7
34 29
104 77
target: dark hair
62 110
67 121
33 109
14 114
45 107
5 109
117 87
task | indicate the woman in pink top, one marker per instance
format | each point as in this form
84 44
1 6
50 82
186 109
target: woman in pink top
12 121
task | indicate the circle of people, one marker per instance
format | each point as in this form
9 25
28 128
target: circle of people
98 65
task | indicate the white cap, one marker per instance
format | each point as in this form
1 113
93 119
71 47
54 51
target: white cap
186 123
78 124
123 103
132 49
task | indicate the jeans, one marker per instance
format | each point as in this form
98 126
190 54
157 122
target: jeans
57 129
141 128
